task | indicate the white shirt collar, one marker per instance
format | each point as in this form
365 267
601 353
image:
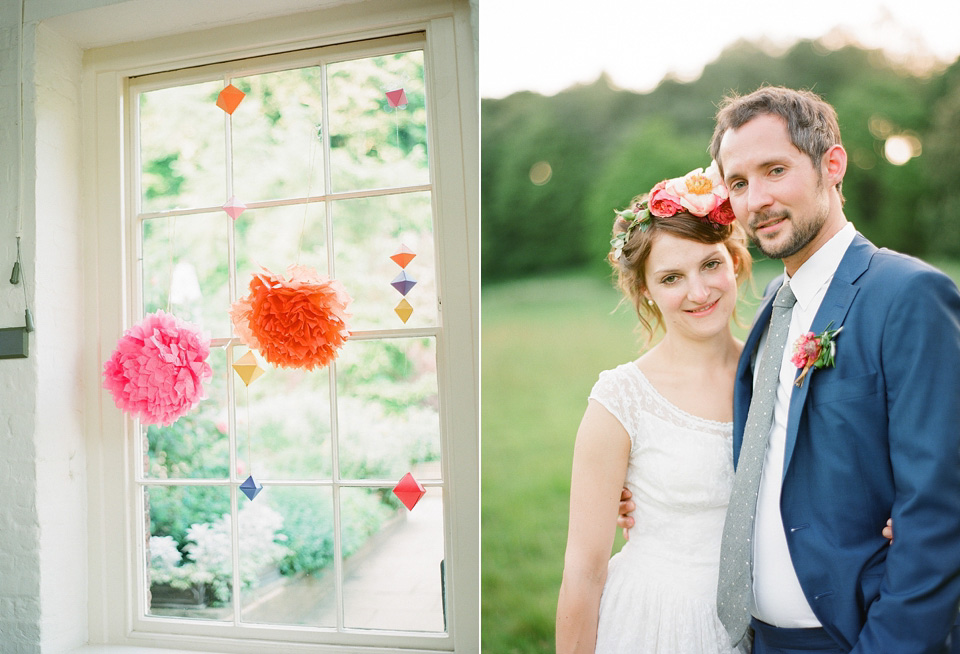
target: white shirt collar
818 270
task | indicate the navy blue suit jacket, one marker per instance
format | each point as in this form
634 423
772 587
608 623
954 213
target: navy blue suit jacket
876 436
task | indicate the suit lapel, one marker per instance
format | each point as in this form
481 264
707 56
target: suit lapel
836 303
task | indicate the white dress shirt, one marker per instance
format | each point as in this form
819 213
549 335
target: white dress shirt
777 597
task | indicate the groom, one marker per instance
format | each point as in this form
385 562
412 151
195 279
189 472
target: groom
876 434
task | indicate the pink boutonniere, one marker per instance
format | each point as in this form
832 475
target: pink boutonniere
814 351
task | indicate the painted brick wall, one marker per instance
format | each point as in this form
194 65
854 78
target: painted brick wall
19 518
43 543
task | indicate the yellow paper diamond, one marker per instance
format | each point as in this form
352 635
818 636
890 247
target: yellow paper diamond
248 368
404 310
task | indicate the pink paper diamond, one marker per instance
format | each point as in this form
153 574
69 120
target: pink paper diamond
409 490
234 207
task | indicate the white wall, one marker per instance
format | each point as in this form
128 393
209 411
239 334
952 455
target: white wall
43 458
54 202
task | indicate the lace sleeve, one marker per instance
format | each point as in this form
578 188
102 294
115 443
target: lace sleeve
617 393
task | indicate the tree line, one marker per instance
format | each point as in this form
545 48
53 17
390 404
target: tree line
598 146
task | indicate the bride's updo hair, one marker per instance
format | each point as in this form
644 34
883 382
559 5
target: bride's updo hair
630 267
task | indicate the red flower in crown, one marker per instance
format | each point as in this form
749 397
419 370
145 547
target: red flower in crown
661 203
722 214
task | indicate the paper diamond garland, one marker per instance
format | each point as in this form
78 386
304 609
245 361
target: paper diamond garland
409 491
403 282
251 487
397 98
234 207
230 98
248 368
403 256
404 310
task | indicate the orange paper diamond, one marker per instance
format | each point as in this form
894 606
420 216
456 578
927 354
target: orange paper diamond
403 256
409 491
230 98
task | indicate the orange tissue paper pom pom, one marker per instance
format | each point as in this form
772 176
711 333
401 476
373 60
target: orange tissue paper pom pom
295 322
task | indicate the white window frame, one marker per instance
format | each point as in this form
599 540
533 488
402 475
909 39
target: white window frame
452 137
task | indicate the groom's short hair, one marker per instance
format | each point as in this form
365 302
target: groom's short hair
811 122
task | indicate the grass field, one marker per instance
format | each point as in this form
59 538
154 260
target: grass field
544 341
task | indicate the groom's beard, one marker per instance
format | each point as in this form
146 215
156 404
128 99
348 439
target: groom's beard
802 231
801 234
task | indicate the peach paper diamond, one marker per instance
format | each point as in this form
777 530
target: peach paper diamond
230 98
409 491
403 256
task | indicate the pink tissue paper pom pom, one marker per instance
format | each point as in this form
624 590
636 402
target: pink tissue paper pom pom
157 370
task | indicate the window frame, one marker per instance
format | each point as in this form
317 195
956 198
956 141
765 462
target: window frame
114 513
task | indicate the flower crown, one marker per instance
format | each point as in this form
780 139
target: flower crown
700 193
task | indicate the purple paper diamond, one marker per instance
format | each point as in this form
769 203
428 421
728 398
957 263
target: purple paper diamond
251 487
403 282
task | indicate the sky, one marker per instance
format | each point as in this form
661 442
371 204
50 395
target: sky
547 46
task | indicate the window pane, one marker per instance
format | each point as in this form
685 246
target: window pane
196 445
278 237
393 581
288 413
294 572
185 269
374 145
277 150
327 485
190 551
367 232
182 148
387 407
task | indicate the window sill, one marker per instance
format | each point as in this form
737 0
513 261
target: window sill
125 649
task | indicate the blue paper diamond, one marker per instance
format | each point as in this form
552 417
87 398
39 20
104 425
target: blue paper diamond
251 487
403 282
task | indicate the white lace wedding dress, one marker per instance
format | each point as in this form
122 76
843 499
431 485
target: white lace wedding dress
661 588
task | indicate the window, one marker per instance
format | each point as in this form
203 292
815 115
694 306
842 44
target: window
337 173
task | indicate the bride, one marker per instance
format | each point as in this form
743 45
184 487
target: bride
662 426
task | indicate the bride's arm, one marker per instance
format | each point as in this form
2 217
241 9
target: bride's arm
599 470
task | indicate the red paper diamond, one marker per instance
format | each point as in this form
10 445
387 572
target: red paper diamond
230 98
409 490
397 98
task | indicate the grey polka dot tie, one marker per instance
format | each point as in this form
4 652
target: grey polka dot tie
736 549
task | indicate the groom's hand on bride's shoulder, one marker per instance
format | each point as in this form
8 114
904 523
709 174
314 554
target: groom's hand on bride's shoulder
625 520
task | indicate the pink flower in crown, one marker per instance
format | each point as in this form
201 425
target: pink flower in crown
661 203
699 191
